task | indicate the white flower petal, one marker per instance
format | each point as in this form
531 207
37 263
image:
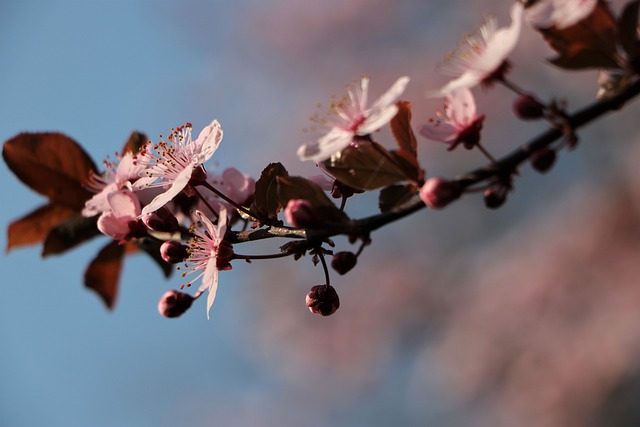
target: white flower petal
461 107
391 95
466 80
210 281
124 204
111 226
177 186
442 132
208 141
377 119
336 140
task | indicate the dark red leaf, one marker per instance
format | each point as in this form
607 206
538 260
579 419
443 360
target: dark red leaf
69 234
394 197
152 248
401 128
135 142
34 227
590 43
628 28
297 187
103 273
266 201
52 164
366 167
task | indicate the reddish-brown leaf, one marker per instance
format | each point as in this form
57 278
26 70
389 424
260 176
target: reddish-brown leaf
401 128
628 29
69 234
591 43
52 164
297 187
34 227
135 142
266 195
103 273
366 167
394 197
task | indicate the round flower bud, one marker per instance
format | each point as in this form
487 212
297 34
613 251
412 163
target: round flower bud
495 196
543 159
174 303
528 108
437 193
173 252
161 220
343 262
323 300
302 214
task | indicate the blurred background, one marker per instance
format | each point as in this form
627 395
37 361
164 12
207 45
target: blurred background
528 315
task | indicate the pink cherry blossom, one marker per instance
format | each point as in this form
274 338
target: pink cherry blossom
117 175
482 54
122 217
559 13
208 253
171 164
460 124
349 117
234 184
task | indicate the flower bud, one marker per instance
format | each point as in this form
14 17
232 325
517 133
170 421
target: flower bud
173 252
543 159
495 196
528 108
343 262
340 190
323 300
437 193
174 303
302 214
161 220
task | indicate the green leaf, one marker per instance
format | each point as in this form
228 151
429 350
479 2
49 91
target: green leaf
52 164
366 167
266 203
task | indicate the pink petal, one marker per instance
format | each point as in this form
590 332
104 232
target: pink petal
442 132
391 95
177 186
461 107
336 140
210 282
112 226
502 42
208 141
124 204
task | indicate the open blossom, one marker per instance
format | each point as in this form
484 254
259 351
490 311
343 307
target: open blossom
481 55
171 164
559 13
120 221
349 117
115 177
208 254
234 184
460 125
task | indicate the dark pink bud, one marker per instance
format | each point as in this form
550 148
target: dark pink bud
174 303
343 262
528 108
161 220
437 193
495 195
543 159
323 300
302 214
173 252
